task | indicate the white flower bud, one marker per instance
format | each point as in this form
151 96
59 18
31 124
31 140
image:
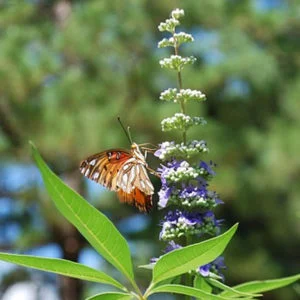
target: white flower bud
176 62
168 25
177 13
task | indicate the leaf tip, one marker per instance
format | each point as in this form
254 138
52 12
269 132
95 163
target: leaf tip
31 143
33 147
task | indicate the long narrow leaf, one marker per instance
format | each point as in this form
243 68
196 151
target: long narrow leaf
263 285
200 283
185 290
234 292
60 266
93 225
111 296
191 257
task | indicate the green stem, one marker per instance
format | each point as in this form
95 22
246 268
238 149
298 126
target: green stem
182 104
138 292
148 291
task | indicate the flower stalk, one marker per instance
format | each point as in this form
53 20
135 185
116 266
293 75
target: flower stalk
179 78
185 177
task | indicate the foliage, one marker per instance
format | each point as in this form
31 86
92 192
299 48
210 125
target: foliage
109 243
106 239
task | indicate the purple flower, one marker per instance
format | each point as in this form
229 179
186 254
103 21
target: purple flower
165 170
153 260
163 147
208 168
164 195
191 191
204 270
213 267
172 246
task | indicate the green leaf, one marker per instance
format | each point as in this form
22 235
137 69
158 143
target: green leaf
191 257
201 284
147 267
263 285
93 225
234 292
60 266
184 290
111 296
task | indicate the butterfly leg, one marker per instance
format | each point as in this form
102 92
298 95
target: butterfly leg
153 172
150 150
149 144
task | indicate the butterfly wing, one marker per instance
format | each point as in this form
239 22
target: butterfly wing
104 167
120 171
135 185
133 174
137 198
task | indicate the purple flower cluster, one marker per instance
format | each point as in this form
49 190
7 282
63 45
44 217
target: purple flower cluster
188 196
185 187
169 150
182 223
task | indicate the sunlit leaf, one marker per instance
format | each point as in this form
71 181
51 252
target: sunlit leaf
111 296
60 266
234 292
191 257
93 225
185 290
263 285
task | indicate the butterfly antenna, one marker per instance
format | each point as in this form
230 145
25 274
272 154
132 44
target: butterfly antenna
127 132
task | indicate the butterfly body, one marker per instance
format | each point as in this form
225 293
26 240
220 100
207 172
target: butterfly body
124 172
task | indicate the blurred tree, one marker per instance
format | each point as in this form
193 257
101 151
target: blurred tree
69 68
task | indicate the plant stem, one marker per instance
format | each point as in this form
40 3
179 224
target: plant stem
187 277
182 104
138 292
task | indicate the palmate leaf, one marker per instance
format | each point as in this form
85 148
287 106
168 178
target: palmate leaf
191 257
111 296
62 267
262 286
93 225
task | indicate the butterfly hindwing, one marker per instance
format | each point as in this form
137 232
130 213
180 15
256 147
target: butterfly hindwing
134 174
137 198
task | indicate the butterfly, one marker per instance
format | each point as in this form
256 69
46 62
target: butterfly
124 172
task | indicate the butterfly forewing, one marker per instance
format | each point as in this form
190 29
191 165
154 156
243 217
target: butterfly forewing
103 167
124 172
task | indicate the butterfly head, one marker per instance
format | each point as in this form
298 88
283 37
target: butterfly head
136 152
134 146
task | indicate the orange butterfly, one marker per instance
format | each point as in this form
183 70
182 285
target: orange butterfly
124 172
